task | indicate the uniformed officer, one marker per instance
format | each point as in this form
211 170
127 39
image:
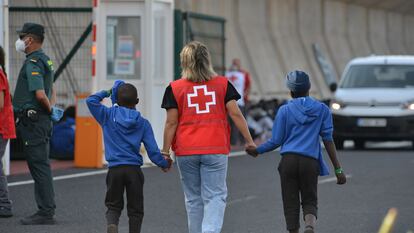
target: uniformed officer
33 105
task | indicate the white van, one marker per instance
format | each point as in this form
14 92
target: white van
375 101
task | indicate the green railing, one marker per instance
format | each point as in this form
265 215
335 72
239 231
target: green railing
78 43
67 30
49 9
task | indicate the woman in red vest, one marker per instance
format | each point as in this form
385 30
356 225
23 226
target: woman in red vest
198 131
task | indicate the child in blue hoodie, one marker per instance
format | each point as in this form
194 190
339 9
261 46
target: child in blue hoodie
124 129
297 128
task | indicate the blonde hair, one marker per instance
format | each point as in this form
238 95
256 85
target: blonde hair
196 62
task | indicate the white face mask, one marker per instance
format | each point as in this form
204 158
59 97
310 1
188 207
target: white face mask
20 45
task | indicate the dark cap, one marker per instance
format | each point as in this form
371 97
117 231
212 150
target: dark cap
298 81
32 28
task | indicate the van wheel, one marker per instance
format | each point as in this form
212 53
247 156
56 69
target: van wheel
339 143
359 144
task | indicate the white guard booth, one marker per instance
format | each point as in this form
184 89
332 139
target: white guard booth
133 41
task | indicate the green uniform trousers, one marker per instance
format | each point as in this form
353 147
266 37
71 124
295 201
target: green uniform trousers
35 134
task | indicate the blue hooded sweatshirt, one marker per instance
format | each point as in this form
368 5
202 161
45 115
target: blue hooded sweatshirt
124 129
298 127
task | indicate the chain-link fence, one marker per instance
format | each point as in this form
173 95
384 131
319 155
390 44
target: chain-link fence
63 28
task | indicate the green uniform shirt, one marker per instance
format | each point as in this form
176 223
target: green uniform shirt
36 74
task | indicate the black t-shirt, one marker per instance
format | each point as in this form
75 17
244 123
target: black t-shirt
168 101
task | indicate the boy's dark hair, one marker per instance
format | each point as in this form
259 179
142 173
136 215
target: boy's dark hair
127 95
299 94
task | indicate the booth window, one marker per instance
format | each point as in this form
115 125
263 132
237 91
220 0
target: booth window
123 44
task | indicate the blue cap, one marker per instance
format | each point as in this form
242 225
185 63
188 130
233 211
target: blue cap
298 81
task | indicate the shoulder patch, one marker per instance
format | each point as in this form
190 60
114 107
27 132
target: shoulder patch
50 64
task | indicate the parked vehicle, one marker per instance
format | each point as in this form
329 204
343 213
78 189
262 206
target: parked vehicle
375 101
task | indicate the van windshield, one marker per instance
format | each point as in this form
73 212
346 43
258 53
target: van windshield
379 76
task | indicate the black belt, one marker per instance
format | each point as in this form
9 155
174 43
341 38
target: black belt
30 113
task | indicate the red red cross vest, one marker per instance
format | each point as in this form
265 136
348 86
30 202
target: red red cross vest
202 117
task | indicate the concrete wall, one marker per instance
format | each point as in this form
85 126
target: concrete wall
395 33
253 24
272 37
310 17
357 26
409 33
285 35
377 28
336 31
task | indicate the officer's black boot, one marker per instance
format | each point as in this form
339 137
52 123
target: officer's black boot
38 219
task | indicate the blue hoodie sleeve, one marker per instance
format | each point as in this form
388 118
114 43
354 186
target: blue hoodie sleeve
278 133
98 110
151 146
327 126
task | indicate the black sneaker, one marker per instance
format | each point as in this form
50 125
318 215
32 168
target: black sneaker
37 219
5 212
112 228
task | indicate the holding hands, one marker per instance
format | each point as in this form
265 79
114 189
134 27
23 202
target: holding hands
167 157
251 149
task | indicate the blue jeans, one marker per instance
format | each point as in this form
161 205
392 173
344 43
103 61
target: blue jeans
4 190
203 178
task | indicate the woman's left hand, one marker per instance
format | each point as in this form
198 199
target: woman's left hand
251 149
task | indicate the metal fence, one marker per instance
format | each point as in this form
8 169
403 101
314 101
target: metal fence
207 29
63 28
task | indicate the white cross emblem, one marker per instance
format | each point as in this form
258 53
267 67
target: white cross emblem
204 98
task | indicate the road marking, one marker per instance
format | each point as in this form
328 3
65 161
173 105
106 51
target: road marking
237 153
241 153
239 200
93 173
20 183
64 177
331 179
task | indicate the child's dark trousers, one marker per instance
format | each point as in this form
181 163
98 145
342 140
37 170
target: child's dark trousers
299 180
131 179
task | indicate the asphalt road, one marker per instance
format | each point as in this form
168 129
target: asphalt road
380 180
